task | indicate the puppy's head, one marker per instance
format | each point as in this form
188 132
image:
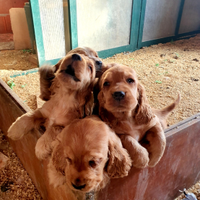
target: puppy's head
92 54
75 71
47 72
87 154
120 91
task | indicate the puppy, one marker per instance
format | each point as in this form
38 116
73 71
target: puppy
47 72
72 98
86 154
124 107
162 114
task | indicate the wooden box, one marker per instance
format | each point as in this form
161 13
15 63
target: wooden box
179 168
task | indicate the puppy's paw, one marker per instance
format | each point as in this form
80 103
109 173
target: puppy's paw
138 154
22 126
17 130
43 148
156 155
140 158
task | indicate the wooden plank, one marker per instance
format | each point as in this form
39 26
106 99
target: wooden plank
9 110
178 169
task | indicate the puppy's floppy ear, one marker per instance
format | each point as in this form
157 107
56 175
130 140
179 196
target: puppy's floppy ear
86 99
58 159
102 112
89 98
57 164
143 110
119 162
100 98
47 74
89 104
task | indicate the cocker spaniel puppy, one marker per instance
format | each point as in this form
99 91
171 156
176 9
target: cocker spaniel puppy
86 154
47 72
123 106
71 98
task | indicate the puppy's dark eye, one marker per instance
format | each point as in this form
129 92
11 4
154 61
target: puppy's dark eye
106 83
92 163
130 80
69 160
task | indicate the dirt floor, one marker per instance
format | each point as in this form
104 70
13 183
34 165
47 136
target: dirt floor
164 69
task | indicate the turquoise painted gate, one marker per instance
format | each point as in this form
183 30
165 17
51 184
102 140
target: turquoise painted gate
108 26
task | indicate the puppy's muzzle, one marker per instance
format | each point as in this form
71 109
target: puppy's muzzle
78 184
119 95
98 66
76 57
70 71
99 63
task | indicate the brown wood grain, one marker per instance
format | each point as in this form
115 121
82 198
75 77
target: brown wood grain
179 168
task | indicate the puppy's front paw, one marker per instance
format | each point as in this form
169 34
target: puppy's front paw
16 131
140 158
138 154
43 148
21 126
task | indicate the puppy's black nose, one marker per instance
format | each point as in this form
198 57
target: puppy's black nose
79 187
99 63
76 57
119 95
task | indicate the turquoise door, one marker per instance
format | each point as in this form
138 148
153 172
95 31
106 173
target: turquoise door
107 26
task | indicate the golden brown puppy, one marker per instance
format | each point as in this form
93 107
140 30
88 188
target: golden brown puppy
47 72
86 154
72 98
162 114
123 106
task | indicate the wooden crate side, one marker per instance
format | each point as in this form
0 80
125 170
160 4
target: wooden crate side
178 169
11 106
